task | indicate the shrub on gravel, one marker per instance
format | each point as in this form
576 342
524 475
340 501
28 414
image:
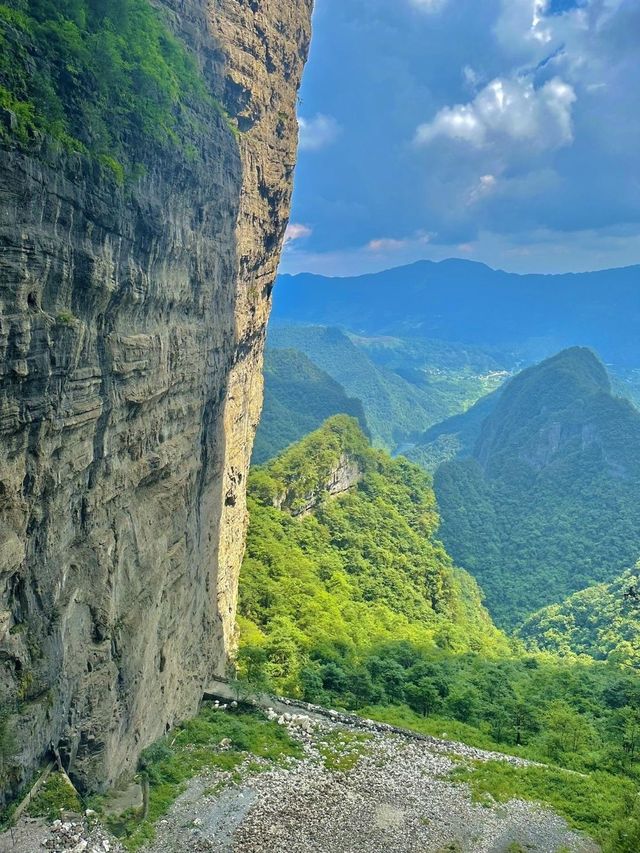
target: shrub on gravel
215 739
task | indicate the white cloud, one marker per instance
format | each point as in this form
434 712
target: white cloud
484 187
524 29
429 6
384 245
296 231
508 109
317 132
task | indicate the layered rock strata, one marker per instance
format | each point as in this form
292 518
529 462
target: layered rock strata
131 334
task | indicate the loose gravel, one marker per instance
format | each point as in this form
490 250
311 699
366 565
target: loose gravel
353 792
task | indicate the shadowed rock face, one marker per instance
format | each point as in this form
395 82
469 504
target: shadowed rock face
131 337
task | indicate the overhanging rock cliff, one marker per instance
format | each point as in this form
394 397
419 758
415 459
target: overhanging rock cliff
132 323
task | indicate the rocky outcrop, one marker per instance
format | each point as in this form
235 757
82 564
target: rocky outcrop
131 335
345 474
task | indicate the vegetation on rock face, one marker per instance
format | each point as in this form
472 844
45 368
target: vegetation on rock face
102 78
55 796
550 503
298 398
215 740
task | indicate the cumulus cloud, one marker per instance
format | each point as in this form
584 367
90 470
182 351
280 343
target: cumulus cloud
508 109
296 231
317 132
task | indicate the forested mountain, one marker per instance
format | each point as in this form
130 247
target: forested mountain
405 386
298 398
459 300
549 503
394 408
348 599
602 621
360 569
453 438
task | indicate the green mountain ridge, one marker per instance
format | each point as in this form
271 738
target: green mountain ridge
363 568
298 398
405 386
549 503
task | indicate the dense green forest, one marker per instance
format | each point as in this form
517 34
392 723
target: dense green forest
550 502
405 386
298 398
602 621
453 438
109 79
361 569
356 604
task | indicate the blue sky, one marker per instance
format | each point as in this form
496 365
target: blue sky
505 131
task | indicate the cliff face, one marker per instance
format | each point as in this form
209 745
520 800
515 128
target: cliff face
131 336
341 478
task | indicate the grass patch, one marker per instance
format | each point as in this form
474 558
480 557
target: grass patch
341 751
55 796
440 727
601 805
194 748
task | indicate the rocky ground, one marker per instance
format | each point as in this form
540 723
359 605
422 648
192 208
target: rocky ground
354 792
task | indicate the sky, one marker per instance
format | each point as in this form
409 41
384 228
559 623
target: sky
503 131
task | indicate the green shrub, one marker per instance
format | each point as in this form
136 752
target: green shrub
55 796
193 748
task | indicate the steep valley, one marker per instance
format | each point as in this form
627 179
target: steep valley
396 607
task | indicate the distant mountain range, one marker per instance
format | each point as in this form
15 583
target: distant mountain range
549 501
457 300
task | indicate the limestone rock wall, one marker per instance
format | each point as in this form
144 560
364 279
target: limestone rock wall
131 336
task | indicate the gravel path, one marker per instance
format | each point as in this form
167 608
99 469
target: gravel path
397 798
375 792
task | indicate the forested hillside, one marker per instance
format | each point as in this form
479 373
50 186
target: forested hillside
602 621
298 398
405 386
361 569
351 601
550 502
453 438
